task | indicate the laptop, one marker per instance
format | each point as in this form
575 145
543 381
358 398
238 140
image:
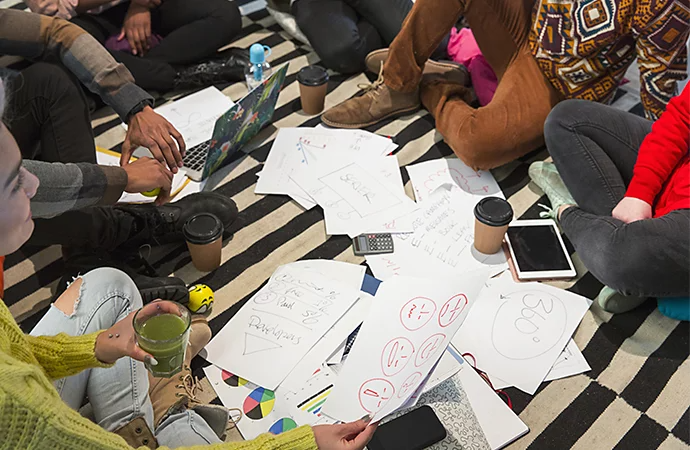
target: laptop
235 128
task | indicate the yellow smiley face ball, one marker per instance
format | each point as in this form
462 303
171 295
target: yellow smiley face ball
152 192
200 299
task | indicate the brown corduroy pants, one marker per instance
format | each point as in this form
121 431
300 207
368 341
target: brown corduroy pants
512 124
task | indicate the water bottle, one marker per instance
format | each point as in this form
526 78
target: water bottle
259 70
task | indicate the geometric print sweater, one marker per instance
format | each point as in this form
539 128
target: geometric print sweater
584 47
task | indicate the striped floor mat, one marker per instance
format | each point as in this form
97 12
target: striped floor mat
636 395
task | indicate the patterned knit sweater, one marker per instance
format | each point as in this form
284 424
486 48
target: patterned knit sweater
32 415
584 47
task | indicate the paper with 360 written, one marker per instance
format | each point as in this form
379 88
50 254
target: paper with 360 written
407 330
516 331
441 244
280 324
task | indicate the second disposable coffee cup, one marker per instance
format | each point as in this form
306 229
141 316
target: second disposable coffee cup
313 83
492 216
204 235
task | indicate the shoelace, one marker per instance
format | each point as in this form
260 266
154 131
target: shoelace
548 213
373 87
190 384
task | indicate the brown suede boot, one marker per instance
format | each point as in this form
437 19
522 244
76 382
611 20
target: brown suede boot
458 73
179 391
379 102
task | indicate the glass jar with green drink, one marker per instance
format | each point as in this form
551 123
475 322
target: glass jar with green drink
162 329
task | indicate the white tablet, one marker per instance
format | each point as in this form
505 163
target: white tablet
538 250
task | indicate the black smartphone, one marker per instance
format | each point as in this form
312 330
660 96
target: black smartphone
416 430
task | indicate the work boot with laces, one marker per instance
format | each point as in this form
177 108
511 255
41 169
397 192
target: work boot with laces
379 102
163 224
174 394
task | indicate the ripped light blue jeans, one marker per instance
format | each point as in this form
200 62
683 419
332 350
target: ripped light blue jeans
121 393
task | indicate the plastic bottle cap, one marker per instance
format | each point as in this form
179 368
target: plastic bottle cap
312 76
257 54
202 229
493 211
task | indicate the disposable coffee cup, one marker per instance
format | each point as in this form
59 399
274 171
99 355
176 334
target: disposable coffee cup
313 83
492 217
204 235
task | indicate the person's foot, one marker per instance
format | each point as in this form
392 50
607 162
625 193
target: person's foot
546 176
172 394
163 224
374 61
227 66
617 303
379 102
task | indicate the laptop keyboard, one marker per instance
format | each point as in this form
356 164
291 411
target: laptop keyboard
195 158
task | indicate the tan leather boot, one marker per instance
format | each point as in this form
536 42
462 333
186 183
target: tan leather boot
456 71
379 102
179 391
137 434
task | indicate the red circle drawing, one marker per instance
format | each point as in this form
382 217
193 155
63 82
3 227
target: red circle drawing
395 356
374 394
429 348
407 387
417 312
451 310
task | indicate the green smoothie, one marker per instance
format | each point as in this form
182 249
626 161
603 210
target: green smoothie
165 337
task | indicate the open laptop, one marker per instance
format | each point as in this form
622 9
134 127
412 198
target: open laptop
235 128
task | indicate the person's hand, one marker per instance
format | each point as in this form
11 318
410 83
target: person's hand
119 340
632 209
137 29
347 436
146 174
148 4
151 130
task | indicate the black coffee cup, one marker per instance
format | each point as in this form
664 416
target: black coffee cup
492 217
204 235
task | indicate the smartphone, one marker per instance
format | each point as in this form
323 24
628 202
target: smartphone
416 430
538 250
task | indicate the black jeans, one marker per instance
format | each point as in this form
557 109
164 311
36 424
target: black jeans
191 30
595 148
48 115
343 32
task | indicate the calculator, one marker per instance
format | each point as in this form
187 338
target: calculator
373 244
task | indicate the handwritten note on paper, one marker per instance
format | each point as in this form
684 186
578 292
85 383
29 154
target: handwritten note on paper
426 177
441 242
355 200
408 329
517 331
280 324
570 362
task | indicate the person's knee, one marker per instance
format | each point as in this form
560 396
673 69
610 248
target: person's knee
106 281
229 14
564 116
50 81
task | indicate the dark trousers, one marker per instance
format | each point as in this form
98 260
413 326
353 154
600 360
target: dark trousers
191 30
48 115
595 149
343 32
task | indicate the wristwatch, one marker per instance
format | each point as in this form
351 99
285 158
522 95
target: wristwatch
139 107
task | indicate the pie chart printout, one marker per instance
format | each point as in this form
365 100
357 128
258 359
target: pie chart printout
282 425
259 403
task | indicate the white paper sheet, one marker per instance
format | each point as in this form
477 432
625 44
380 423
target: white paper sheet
516 331
195 115
350 275
570 362
406 332
441 244
180 181
280 324
294 147
500 424
426 177
362 196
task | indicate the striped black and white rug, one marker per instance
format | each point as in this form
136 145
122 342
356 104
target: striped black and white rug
637 394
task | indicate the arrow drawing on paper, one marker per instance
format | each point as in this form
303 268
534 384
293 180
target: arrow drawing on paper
256 344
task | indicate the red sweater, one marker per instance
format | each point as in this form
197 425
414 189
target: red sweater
661 176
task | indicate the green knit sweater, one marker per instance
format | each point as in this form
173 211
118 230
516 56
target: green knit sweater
32 415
